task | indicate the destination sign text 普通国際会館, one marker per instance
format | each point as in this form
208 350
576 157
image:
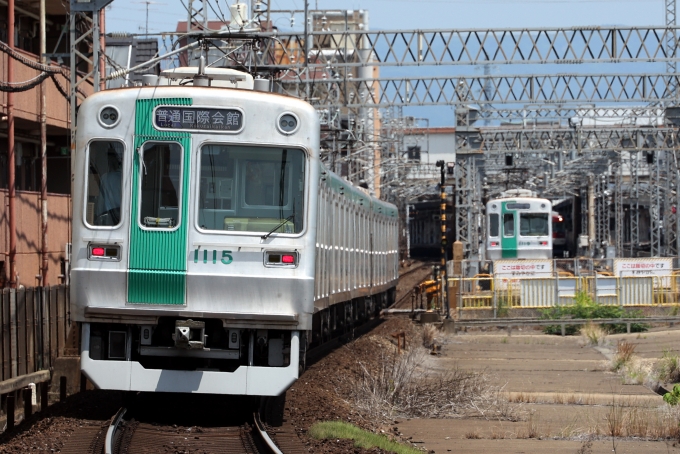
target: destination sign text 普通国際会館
198 118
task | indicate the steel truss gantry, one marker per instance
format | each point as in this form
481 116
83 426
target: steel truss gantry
475 47
467 194
513 89
579 140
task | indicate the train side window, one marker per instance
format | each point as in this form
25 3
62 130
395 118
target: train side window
161 176
493 224
104 183
508 224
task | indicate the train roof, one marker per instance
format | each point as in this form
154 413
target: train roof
519 199
357 195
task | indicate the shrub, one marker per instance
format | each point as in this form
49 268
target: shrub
585 308
668 368
673 397
593 334
624 353
401 387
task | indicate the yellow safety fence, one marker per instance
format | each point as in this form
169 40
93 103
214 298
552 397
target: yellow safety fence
486 292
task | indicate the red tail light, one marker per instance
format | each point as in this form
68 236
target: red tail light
288 259
98 251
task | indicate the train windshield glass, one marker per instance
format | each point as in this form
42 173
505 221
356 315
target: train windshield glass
533 224
508 224
253 189
493 224
160 170
104 191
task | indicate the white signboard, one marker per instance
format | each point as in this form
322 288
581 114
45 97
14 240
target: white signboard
508 273
646 267
517 269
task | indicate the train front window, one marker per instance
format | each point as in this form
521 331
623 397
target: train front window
509 224
160 169
533 224
493 224
251 189
104 183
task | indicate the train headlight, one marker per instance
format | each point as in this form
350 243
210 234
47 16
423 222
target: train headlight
104 252
282 259
288 123
109 117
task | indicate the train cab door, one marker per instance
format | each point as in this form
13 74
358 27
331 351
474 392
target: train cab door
509 232
157 266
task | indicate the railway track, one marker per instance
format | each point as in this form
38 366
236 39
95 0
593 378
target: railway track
128 436
405 298
123 434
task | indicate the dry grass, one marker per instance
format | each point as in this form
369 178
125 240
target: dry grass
624 352
497 433
593 334
473 435
580 399
530 430
399 386
559 399
586 447
522 398
429 333
638 371
667 368
614 420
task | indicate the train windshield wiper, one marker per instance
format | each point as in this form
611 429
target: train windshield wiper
289 218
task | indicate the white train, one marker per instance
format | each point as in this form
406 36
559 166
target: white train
210 245
519 226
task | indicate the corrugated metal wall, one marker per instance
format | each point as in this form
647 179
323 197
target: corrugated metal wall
35 330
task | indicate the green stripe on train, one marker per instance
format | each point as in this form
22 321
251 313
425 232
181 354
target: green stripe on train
158 263
508 244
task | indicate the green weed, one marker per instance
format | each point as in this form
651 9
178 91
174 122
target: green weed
362 438
585 308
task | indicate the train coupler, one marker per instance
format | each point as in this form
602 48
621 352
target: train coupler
189 334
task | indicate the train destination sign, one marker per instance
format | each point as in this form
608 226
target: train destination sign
193 118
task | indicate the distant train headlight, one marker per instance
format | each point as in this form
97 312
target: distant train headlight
109 117
288 123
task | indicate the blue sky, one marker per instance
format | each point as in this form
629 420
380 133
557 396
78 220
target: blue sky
130 16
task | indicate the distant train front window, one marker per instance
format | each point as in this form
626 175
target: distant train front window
251 189
509 224
493 224
161 166
104 183
533 224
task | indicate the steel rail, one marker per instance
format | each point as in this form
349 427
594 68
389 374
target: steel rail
264 435
111 432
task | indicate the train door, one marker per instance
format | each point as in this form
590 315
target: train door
509 233
159 216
